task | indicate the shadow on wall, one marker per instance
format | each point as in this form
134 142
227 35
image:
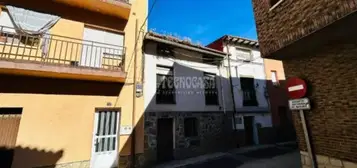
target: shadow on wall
214 127
24 157
281 114
38 85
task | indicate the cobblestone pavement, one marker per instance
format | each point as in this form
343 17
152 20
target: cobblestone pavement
277 157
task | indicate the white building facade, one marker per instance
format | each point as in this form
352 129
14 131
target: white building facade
250 100
188 100
184 101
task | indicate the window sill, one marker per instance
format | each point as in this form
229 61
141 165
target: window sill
276 5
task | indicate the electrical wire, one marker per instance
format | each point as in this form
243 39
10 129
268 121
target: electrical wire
137 38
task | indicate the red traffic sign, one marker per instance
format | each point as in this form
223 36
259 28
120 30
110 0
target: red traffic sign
296 88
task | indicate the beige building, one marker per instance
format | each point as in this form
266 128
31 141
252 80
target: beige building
67 89
278 100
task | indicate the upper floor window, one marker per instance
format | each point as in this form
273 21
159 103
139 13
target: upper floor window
244 54
165 91
248 89
274 78
211 95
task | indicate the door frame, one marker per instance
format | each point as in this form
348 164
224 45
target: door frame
95 124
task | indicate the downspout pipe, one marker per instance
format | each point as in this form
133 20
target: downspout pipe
133 134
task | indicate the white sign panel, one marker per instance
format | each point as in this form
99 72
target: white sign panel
126 129
299 104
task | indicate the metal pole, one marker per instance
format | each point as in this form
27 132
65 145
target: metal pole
307 140
133 141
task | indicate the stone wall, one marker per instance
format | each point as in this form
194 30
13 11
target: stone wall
214 134
125 161
330 72
293 19
325 162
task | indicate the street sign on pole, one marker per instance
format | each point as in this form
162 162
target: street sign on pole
299 104
296 88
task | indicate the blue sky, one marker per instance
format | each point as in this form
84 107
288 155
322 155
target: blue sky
203 21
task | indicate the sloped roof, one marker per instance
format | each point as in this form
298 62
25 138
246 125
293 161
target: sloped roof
183 44
240 40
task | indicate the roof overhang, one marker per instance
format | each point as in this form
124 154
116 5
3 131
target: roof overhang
203 50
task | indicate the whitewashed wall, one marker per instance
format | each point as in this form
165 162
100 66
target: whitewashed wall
254 69
182 68
244 69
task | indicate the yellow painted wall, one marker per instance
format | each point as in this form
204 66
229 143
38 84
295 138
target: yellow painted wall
55 123
65 122
274 65
139 12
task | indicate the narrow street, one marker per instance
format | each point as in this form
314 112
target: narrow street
276 157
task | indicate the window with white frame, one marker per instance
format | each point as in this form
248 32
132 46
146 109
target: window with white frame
244 54
211 95
274 78
165 91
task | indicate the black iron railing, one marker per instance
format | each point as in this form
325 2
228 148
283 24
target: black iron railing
60 50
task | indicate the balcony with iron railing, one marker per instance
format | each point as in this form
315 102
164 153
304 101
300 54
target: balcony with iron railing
59 56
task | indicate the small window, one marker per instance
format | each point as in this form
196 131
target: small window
274 78
243 54
165 91
191 127
164 50
211 95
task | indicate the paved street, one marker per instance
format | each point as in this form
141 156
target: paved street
281 157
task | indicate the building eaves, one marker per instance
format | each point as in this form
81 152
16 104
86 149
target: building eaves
185 44
241 41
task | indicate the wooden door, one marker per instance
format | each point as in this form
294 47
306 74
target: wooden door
9 127
165 139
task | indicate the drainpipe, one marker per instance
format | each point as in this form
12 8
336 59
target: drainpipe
133 134
231 87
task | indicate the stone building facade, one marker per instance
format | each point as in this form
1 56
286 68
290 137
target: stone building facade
213 134
316 40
